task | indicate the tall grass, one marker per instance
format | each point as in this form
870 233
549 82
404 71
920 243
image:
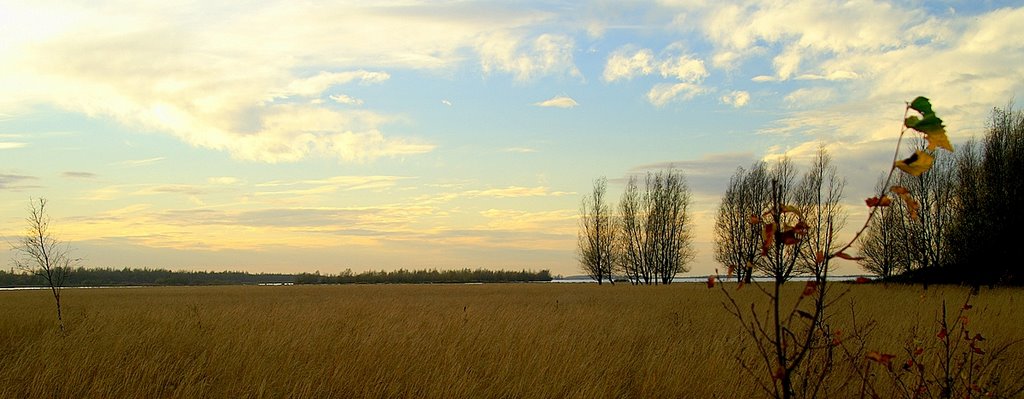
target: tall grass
431 341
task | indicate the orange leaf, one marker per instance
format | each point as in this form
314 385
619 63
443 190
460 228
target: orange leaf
912 205
844 255
942 334
819 258
882 358
779 373
876 201
810 287
862 280
767 238
918 351
754 219
711 281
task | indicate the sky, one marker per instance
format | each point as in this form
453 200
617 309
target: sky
282 136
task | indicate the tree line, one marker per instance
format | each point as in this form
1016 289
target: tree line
958 225
403 276
90 277
964 227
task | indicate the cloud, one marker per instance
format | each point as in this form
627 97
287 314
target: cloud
547 54
79 175
446 102
516 192
223 181
315 85
11 145
229 78
15 182
558 102
328 185
663 93
737 99
520 150
344 99
138 162
810 96
627 63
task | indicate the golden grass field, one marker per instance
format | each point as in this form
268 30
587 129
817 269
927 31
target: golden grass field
423 341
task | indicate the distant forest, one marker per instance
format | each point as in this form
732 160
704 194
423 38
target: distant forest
83 277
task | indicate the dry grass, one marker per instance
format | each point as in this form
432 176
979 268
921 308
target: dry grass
437 341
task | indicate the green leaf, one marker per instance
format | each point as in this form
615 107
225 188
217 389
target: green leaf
930 124
922 105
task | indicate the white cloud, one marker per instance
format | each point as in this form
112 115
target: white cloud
10 145
558 102
446 102
683 68
547 54
737 99
228 77
663 93
520 150
810 96
347 100
626 63
314 85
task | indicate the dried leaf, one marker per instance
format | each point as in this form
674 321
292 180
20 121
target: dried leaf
912 205
767 238
918 351
754 219
819 257
792 209
846 256
810 287
942 334
876 201
788 237
862 280
917 163
711 281
881 358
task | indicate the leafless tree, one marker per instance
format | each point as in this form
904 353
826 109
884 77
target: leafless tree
781 253
656 240
737 239
39 252
633 238
883 245
670 245
597 251
820 195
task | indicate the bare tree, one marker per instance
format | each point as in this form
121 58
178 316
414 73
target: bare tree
820 194
670 245
883 245
597 234
781 251
656 240
737 239
631 242
39 252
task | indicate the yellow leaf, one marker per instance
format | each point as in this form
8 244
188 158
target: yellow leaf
917 164
938 139
791 209
912 205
